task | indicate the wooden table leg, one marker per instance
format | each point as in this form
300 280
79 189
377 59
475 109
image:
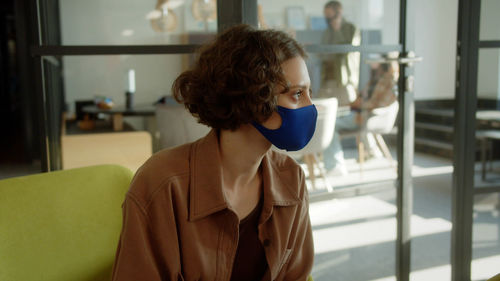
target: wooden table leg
484 142
361 153
118 122
308 158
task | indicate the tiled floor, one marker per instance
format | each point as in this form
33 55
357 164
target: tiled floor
355 235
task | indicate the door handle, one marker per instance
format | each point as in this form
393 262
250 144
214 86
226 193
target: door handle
408 60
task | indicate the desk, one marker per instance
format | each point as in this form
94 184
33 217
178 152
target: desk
487 136
118 112
488 115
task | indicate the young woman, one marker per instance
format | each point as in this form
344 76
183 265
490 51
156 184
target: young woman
227 207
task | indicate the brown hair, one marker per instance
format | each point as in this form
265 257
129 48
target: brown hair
334 5
235 79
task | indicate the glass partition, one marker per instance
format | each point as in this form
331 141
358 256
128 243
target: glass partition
490 9
365 86
127 22
113 109
359 165
488 118
485 236
150 77
477 184
111 106
365 22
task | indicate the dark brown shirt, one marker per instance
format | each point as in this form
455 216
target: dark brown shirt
250 262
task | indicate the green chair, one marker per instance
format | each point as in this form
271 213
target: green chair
62 225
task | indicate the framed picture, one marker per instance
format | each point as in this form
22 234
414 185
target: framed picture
317 23
296 18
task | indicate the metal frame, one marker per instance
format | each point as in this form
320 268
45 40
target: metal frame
404 199
464 141
113 50
464 189
245 11
230 12
40 97
333 49
26 74
50 153
233 12
187 49
489 44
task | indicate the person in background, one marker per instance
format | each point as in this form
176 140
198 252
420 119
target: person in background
379 92
227 207
339 72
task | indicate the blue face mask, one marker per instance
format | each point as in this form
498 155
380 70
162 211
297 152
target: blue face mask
297 128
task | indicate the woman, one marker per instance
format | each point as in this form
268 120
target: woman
381 90
226 207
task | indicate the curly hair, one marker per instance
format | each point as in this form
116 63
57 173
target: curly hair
235 78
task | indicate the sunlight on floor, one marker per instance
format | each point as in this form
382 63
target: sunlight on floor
379 169
355 235
358 230
362 221
484 268
428 274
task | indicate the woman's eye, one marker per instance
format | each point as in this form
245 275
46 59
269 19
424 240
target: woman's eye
297 94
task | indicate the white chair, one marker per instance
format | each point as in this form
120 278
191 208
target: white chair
380 122
325 126
177 126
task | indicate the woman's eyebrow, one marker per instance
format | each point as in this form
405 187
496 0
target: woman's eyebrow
298 86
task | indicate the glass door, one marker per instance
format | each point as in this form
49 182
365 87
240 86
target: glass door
476 201
358 53
360 185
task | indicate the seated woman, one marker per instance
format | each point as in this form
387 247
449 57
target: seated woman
227 207
380 91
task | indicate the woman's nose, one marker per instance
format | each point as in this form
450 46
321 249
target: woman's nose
308 101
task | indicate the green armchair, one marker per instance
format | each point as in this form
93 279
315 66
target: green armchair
62 225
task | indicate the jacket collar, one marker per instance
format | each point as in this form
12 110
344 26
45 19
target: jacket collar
205 188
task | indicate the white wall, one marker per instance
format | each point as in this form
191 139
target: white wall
488 74
365 14
489 23
88 76
435 36
123 22
119 22
435 39
489 59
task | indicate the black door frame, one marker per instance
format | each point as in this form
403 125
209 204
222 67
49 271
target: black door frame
245 11
464 191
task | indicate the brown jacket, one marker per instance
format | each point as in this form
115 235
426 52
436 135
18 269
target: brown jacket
177 224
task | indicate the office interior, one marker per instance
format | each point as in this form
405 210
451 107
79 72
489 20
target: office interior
89 82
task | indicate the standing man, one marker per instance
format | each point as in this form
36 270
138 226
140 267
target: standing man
339 72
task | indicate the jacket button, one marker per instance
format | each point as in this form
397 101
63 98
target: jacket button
267 242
